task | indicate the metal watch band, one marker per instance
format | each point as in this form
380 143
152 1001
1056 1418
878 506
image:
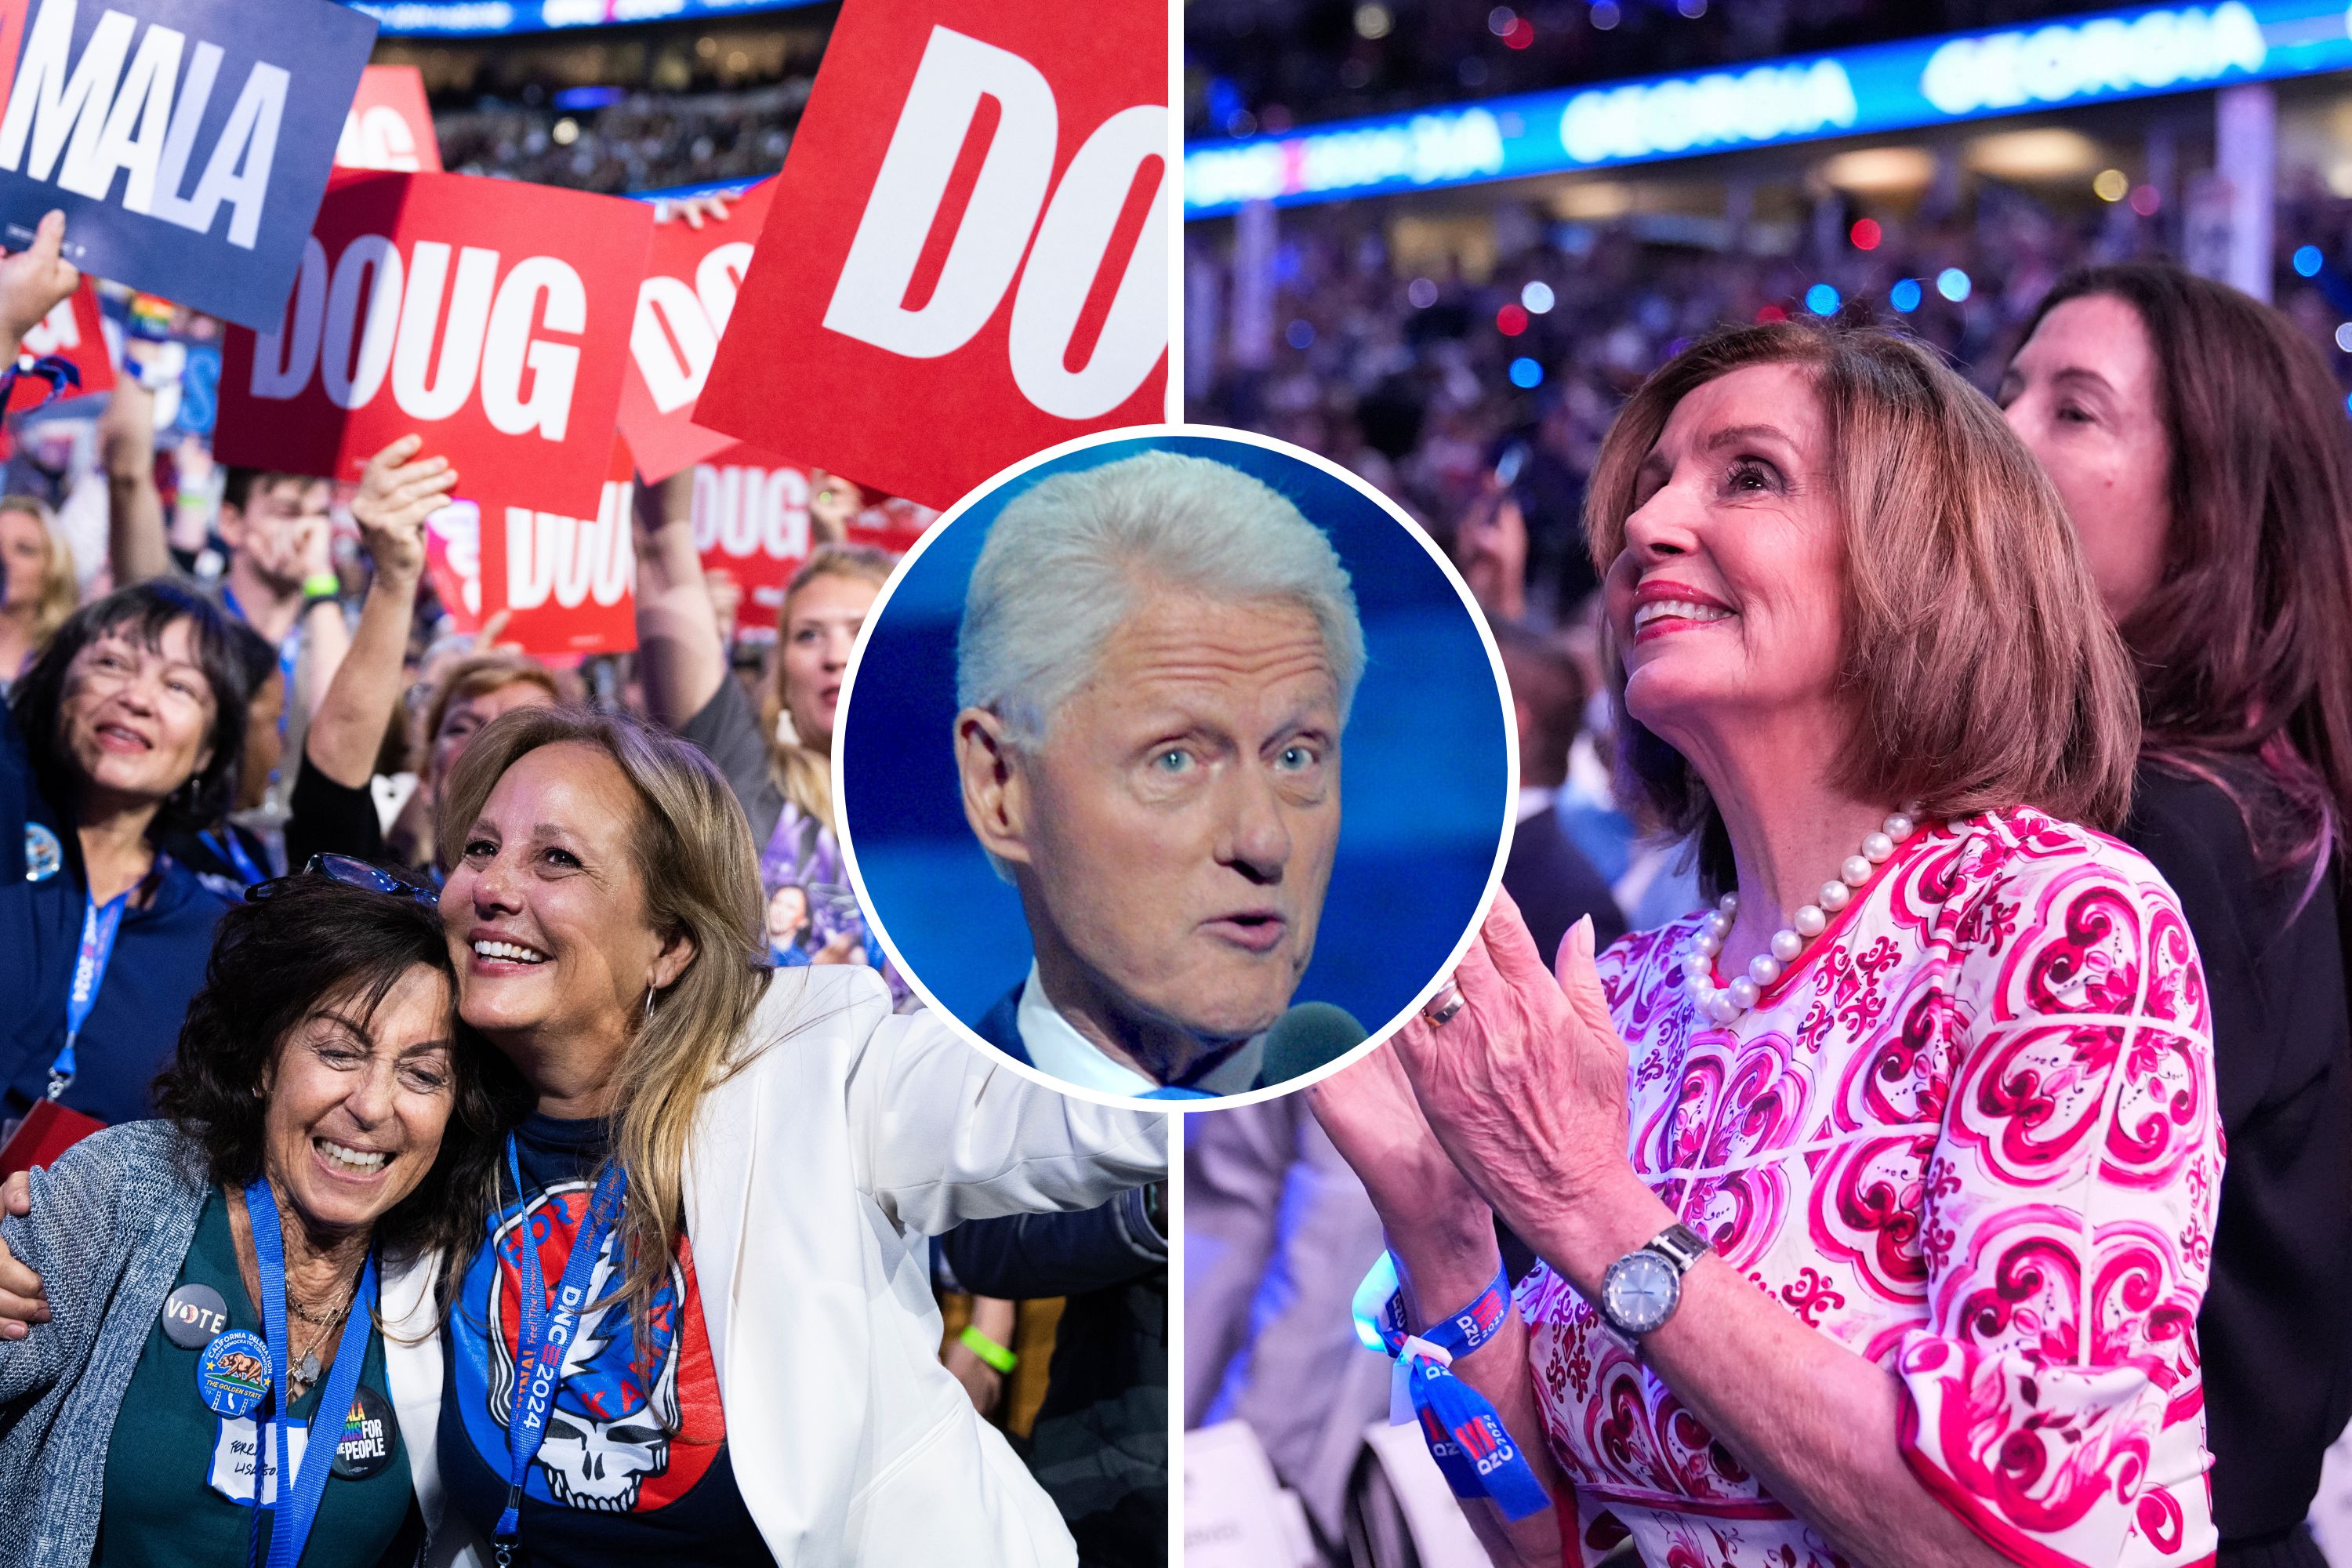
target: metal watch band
1680 1245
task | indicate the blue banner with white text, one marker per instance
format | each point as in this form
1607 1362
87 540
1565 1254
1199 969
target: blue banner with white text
188 141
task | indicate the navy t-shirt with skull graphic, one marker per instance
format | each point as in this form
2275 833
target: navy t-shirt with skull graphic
634 1467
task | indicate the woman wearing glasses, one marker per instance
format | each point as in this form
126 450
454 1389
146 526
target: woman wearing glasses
125 730
216 1274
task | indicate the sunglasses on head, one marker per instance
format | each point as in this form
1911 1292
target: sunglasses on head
352 872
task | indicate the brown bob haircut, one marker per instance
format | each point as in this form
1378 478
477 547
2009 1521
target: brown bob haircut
2244 651
1982 670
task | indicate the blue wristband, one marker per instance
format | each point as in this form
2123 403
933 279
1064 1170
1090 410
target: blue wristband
1466 1437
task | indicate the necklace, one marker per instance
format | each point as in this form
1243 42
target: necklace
1725 1004
306 1368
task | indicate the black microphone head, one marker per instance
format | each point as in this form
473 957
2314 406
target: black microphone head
1305 1038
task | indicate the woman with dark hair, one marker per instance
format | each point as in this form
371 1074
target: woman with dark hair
126 729
215 1275
2198 443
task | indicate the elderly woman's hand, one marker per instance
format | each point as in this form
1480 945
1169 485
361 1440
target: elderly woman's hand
1524 1087
1373 1119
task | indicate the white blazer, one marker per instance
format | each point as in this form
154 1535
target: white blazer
814 1178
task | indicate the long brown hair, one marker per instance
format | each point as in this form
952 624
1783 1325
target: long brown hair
2244 651
1983 672
694 857
801 772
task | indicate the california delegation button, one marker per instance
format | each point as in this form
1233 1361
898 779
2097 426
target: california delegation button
369 1437
193 1314
233 1372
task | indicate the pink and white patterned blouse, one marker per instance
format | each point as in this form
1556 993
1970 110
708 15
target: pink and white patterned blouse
1971 1135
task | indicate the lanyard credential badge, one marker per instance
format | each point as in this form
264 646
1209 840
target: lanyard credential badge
543 1332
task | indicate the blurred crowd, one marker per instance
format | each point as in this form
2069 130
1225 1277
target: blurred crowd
643 141
1432 382
1267 65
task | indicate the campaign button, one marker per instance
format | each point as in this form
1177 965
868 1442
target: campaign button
43 856
193 1314
233 1372
369 1437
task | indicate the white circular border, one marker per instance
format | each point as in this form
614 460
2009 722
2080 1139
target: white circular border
1413 529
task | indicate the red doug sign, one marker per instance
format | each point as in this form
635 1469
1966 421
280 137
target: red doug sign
389 126
568 581
967 257
683 308
490 317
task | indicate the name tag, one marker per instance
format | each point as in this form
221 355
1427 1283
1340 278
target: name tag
235 1460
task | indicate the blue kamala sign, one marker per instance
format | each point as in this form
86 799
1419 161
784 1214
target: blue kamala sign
188 141
1886 87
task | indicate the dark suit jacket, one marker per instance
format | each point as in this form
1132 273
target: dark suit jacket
1001 1025
1555 886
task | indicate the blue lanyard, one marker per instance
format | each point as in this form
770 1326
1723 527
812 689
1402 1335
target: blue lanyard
289 653
1466 1435
99 925
544 1333
297 1512
225 846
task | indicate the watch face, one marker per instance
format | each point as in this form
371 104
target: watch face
1639 1292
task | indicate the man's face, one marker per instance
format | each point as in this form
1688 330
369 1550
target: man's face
276 529
1181 816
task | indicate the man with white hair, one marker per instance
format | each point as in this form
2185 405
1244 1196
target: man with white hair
1156 661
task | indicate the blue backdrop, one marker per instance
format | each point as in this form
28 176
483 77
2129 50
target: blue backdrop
1425 769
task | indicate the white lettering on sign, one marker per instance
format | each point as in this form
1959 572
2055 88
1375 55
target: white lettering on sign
1643 119
676 331
81 122
2110 54
572 560
740 511
378 316
378 139
1072 241
55 330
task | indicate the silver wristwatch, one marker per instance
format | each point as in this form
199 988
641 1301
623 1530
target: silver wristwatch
1641 1290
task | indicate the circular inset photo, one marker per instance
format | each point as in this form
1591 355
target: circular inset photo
1176 764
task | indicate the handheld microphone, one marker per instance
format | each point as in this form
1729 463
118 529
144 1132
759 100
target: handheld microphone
1305 1038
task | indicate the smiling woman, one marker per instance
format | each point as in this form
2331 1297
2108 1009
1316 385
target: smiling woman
1890 1247
213 1276
124 730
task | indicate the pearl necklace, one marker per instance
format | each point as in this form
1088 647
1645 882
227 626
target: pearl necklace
1725 1004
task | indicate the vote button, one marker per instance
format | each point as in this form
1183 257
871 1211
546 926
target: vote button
193 1314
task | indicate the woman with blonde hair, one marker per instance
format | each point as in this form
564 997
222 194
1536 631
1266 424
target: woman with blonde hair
779 761
38 589
699 1326
1890 1247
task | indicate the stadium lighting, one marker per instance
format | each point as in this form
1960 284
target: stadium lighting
1866 233
1538 298
1822 300
1511 321
1421 292
1373 21
1905 296
1606 14
1954 284
2111 184
2308 260
1526 374
2344 337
